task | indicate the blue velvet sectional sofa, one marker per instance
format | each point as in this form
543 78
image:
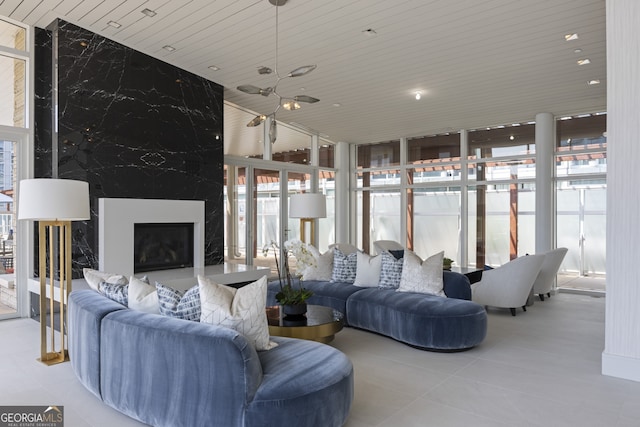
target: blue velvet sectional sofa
425 321
170 372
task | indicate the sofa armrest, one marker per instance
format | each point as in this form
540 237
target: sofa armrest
456 285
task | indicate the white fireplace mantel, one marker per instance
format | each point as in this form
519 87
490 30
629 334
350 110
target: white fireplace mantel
116 225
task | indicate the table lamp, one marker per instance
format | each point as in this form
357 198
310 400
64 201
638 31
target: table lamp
307 207
54 203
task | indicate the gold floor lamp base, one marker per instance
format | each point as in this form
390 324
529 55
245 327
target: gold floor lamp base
51 356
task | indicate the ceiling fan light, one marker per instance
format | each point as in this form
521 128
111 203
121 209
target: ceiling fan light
301 71
251 89
305 98
264 70
256 121
291 105
266 92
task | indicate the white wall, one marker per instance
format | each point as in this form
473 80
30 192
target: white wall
621 356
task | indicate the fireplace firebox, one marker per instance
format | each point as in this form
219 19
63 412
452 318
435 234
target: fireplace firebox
162 246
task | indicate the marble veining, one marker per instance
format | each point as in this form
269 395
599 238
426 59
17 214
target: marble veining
132 126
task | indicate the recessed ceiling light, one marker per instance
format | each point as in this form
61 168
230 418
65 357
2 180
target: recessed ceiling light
515 124
577 50
214 68
114 24
582 116
418 95
569 37
584 61
565 118
150 13
169 48
593 82
337 104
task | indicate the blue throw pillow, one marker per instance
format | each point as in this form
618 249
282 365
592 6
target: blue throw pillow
116 292
344 266
173 303
390 271
398 253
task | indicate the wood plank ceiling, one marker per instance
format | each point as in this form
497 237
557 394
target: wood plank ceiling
477 63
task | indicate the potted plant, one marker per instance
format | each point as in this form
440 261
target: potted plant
446 263
292 298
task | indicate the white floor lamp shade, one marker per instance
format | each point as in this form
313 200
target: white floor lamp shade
54 203
307 207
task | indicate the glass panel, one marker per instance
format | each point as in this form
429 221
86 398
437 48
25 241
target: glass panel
12 91
378 217
327 186
297 183
300 156
581 145
501 171
235 221
326 156
434 171
266 201
436 221
378 155
378 178
581 224
12 36
501 223
502 141
8 292
436 147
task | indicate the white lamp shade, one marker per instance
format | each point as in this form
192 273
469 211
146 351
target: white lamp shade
46 199
307 205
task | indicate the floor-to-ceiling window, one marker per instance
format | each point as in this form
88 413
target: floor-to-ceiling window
257 190
581 166
14 60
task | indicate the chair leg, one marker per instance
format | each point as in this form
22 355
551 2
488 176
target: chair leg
524 307
549 294
513 311
541 296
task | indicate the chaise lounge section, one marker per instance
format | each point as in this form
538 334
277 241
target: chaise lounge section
425 321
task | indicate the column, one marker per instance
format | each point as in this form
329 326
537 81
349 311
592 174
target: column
545 142
621 356
343 190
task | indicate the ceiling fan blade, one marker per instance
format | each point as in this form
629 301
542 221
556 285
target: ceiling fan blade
305 98
256 121
301 71
253 90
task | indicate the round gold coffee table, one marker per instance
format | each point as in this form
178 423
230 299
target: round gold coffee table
319 324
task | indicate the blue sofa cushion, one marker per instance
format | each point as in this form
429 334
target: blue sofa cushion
456 285
425 321
289 396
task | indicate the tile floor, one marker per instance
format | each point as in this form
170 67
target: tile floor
540 368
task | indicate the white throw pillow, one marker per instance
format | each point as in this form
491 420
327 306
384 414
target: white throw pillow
424 277
94 277
323 268
143 296
242 310
368 270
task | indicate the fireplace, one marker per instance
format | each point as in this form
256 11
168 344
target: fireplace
162 246
179 225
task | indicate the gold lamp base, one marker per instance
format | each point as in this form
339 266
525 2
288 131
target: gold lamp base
51 356
303 235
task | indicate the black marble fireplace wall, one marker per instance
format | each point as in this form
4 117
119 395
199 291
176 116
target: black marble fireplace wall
131 126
